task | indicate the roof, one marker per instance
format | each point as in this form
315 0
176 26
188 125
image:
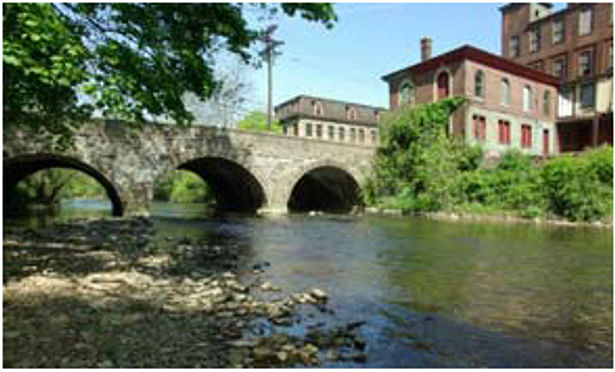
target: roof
477 55
335 101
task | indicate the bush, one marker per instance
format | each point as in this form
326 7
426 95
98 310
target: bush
182 187
580 187
419 168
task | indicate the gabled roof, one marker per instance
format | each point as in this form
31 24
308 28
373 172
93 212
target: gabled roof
477 55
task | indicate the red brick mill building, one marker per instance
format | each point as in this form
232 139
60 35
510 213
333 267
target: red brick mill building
509 105
575 45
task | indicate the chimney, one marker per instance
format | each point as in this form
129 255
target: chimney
425 48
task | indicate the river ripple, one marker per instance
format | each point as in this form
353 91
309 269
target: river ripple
433 294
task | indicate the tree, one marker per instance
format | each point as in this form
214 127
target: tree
130 61
257 121
228 101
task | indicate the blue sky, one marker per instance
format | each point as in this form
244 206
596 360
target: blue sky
368 41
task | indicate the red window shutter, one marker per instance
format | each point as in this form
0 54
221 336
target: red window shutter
507 132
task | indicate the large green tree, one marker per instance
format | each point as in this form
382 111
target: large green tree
62 62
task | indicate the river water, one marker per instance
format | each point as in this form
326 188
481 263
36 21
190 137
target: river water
432 294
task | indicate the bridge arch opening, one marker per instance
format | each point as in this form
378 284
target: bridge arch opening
326 189
234 188
18 168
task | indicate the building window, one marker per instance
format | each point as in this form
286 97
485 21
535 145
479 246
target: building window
374 136
308 129
564 103
331 132
504 132
285 130
377 115
505 92
318 130
479 84
526 136
406 93
585 63
609 63
341 134
513 46
585 21
442 82
361 135
535 40
587 95
479 127
353 135
527 98
559 68
351 113
546 103
318 109
558 31
295 129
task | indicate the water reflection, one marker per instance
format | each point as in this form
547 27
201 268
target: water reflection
435 293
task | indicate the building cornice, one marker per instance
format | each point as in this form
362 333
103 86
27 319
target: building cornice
477 55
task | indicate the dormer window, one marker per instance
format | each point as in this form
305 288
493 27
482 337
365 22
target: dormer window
318 109
351 113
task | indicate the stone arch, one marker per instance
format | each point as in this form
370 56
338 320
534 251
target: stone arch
18 167
346 181
236 188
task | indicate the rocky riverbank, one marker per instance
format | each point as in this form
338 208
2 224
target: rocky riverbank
104 293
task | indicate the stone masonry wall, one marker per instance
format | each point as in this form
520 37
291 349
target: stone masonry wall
132 160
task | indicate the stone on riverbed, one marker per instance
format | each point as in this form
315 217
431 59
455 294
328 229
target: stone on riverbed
319 294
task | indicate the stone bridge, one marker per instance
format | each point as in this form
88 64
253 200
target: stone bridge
247 171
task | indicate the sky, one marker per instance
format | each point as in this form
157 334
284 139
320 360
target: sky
368 41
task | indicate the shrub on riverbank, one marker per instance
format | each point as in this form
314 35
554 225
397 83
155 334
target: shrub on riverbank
419 168
182 187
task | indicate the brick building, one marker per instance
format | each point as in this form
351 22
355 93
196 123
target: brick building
510 105
331 120
574 44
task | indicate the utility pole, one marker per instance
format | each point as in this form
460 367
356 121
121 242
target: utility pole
268 53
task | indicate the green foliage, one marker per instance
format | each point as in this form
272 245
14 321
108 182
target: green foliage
183 187
257 121
420 168
62 61
417 162
50 186
580 187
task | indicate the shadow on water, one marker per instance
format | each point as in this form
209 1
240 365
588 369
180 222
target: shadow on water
433 294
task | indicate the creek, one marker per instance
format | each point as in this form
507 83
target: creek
432 294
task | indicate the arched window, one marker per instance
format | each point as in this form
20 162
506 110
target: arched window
546 102
505 92
318 110
527 98
351 113
479 84
406 94
443 89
